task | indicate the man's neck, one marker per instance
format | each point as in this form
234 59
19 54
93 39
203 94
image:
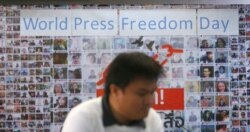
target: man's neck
119 117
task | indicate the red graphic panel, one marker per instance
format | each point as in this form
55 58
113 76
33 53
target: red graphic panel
169 99
165 98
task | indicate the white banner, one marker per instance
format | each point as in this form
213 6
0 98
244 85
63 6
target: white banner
108 22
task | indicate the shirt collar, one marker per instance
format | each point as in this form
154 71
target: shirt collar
109 119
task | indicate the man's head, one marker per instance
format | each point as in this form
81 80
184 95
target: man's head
75 57
222 56
243 114
191 54
206 84
75 102
222 69
209 55
206 72
131 83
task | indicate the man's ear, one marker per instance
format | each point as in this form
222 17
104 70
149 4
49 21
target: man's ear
114 90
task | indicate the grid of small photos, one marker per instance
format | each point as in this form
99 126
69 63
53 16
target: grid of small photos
43 77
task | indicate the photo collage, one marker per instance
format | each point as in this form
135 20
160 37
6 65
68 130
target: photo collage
43 77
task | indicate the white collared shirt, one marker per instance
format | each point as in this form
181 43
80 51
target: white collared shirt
87 117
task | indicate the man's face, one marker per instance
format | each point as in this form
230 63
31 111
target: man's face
221 70
62 101
206 72
243 115
220 43
222 56
135 101
75 102
205 43
75 58
210 56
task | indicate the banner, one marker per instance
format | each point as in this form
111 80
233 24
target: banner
111 22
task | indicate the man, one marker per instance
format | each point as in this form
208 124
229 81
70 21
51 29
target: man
76 59
190 59
204 44
204 101
192 117
208 58
92 74
75 102
222 72
221 59
126 105
207 87
206 72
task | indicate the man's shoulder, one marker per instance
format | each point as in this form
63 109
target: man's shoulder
85 117
90 106
153 117
153 121
152 111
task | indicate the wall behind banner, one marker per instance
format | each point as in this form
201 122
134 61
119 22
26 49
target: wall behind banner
43 77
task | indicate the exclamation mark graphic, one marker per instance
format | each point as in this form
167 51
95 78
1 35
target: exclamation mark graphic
161 96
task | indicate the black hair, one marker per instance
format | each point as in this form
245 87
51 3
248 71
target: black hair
75 99
203 41
218 127
128 66
223 41
210 69
205 118
223 67
209 52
